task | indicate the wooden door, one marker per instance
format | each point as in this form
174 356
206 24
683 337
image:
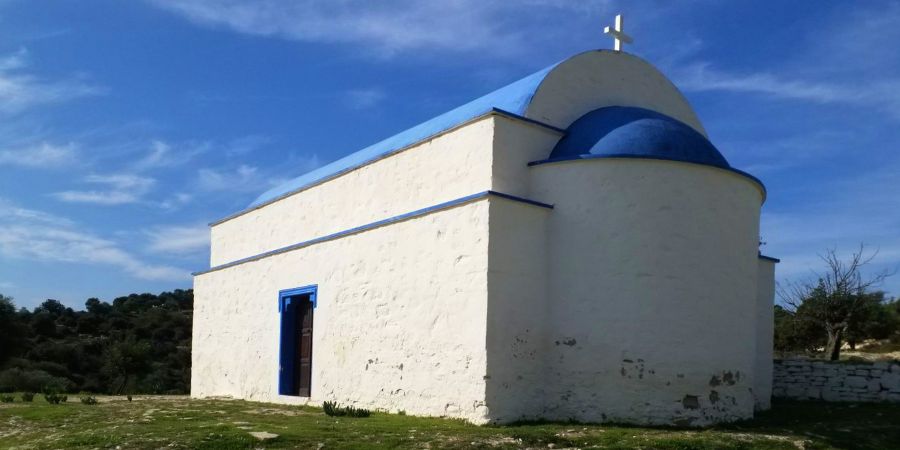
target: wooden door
304 347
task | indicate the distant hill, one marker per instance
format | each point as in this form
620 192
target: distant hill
141 343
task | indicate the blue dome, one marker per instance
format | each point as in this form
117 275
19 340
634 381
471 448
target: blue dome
627 132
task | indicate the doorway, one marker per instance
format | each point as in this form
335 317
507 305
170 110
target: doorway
295 370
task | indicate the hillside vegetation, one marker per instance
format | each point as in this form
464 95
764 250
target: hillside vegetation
140 343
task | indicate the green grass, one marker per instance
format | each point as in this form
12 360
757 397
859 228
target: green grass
179 422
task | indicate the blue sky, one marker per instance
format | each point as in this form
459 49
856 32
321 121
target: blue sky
125 127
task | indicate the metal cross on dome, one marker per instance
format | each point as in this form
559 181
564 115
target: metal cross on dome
618 34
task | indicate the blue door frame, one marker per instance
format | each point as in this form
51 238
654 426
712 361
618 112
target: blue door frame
287 342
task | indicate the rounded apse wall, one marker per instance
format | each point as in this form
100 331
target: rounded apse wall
652 288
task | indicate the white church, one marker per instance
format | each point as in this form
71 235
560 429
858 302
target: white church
570 246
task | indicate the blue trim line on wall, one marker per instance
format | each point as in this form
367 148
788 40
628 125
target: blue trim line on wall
391 220
769 258
350 168
632 156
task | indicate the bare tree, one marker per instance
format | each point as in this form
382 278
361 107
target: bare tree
837 296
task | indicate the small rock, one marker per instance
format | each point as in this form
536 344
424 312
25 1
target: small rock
263 435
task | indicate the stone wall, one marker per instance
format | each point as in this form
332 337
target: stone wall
803 379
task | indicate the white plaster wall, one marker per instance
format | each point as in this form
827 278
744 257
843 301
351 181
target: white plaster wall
400 321
600 78
765 333
447 167
518 309
517 143
652 281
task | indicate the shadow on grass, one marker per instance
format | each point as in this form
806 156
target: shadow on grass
855 426
839 425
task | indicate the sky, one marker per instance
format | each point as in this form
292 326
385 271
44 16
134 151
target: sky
126 127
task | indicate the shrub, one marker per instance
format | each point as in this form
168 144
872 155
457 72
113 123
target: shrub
27 396
88 400
54 398
18 379
335 410
6 398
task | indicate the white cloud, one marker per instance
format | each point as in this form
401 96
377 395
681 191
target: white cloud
123 181
105 198
385 28
20 91
861 208
40 156
244 178
11 212
844 65
176 201
179 239
162 154
883 94
246 145
123 189
156 156
32 236
364 98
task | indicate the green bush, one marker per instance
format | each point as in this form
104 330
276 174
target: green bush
88 400
335 410
19 379
54 398
6 398
27 396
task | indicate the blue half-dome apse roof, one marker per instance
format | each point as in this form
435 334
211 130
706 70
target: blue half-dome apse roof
513 98
621 131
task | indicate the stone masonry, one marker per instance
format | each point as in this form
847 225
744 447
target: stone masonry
803 379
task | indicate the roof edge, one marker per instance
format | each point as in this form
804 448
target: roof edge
491 112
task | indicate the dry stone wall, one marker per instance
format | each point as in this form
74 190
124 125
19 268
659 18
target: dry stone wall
804 379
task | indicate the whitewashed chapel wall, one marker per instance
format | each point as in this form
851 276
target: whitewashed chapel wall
600 78
445 168
400 321
765 337
518 310
652 291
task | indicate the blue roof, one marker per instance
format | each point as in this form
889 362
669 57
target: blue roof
621 131
513 98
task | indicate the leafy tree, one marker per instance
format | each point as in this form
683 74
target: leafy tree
124 360
876 320
839 301
139 343
10 329
793 333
